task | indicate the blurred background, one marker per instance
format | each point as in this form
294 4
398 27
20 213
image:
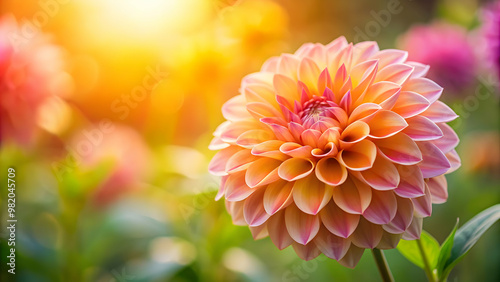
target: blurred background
108 107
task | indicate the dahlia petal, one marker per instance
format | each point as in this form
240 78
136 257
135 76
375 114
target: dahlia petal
281 132
352 196
296 130
240 161
253 209
414 230
411 184
235 209
340 115
253 137
278 232
410 104
454 160
352 257
261 110
286 87
306 252
262 78
269 149
260 93
423 204
259 232
330 171
303 49
324 82
364 112
390 56
270 65
278 196
382 176
295 169
301 226
310 137
317 54
439 112
308 73
220 192
234 109
330 135
397 73
339 81
438 188
367 234
332 246
288 65
362 76
434 162
337 44
217 165
403 217
354 133
262 171
362 51
421 128
419 70
235 188
389 241
383 93
217 144
236 128
449 139
359 156
385 123
342 57
337 221
382 208
425 87
400 149
346 102
329 150
311 201
296 150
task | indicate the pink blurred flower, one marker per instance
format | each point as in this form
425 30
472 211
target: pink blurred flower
335 149
30 70
445 47
490 31
122 148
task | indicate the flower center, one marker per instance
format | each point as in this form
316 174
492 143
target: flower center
314 108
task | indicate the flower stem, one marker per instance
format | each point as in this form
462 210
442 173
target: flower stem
382 265
427 266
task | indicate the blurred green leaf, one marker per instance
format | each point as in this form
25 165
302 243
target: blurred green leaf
467 236
410 250
445 251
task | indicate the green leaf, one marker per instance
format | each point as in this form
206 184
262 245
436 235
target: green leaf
410 250
445 251
467 236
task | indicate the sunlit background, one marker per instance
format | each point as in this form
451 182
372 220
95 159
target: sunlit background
111 165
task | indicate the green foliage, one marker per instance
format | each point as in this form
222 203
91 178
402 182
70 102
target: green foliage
441 260
410 250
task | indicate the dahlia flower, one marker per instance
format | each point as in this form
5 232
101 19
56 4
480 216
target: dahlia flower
30 73
335 149
446 49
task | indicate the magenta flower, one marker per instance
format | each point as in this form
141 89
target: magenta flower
446 49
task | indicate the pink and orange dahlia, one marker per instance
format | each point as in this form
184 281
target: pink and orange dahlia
335 149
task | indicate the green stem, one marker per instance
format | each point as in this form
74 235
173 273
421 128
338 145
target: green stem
382 265
427 266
